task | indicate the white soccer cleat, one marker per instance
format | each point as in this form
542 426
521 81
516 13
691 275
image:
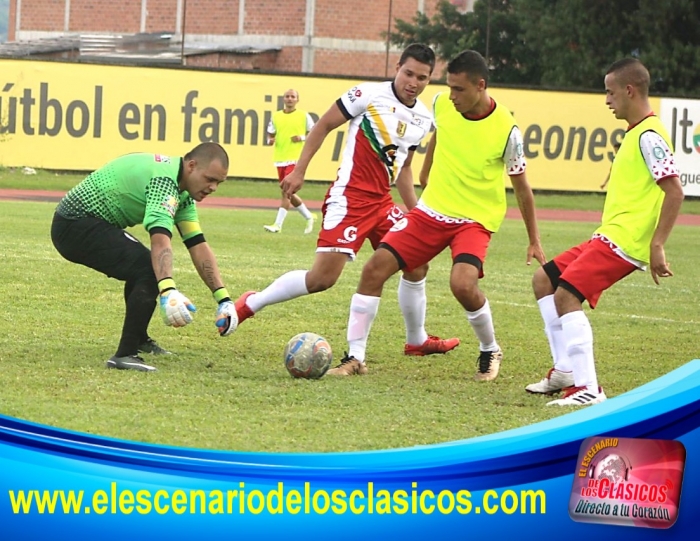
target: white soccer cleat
580 396
309 225
274 228
555 381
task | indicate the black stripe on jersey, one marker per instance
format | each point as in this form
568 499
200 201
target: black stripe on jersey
194 241
160 230
343 110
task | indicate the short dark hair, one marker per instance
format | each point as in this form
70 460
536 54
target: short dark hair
630 71
419 52
205 153
471 63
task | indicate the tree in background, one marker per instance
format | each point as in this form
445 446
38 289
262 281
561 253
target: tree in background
671 46
492 29
569 43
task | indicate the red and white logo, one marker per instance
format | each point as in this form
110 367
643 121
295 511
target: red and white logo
401 224
350 233
628 482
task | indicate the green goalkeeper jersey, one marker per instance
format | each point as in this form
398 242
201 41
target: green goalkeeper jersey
135 189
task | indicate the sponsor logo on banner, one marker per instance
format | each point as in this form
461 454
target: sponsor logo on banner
682 120
628 482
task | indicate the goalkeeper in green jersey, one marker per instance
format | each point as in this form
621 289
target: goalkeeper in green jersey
159 192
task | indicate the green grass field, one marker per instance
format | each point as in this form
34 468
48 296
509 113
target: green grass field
62 321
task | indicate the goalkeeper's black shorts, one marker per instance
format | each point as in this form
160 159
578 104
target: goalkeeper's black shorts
102 246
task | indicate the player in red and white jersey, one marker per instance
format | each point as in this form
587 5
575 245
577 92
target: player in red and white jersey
387 123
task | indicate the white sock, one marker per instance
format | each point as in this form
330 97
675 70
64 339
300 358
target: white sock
281 215
412 301
482 323
553 331
363 310
304 211
288 286
579 347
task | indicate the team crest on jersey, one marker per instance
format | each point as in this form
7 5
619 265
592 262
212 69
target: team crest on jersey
401 129
170 205
162 159
659 153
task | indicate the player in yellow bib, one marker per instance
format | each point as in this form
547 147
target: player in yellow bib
643 201
475 142
287 131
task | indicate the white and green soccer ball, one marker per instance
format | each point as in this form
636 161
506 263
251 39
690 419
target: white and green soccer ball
307 355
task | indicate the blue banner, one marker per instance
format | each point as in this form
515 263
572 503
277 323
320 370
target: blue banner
60 484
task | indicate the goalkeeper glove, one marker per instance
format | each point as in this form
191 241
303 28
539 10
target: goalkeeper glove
175 308
226 315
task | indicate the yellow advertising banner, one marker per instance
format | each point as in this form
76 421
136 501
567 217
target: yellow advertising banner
68 116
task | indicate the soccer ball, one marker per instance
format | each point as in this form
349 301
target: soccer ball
307 355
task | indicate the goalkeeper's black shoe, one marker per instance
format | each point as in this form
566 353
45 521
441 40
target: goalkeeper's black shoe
130 362
151 346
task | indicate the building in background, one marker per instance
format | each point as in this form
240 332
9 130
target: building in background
307 36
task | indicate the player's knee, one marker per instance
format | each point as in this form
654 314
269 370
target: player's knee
317 282
466 292
142 290
541 284
417 274
375 273
140 275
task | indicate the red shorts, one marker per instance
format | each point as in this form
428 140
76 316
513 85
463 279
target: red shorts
592 267
420 236
349 221
284 170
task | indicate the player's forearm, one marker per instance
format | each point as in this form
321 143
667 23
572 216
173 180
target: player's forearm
526 204
407 191
427 163
161 256
207 267
670 209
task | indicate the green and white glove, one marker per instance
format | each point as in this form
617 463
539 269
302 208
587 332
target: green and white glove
226 315
175 308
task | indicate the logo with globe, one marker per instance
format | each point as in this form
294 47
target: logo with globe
612 467
696 139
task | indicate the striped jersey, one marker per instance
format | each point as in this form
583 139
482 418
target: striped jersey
381 132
